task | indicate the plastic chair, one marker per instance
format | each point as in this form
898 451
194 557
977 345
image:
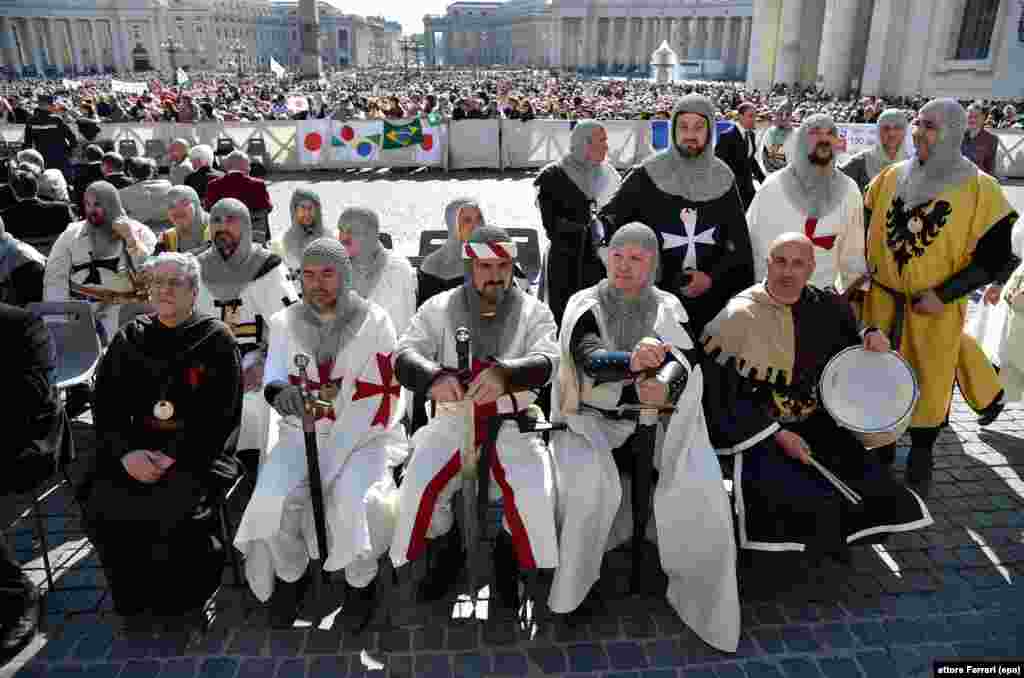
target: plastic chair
528 255
127 148
431 240
224 146
261 226
257 147
72 329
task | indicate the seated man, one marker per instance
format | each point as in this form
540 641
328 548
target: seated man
610 358
244 285
189 223
514 351
349 343
98 259
113 170
379 275
201 158
31 218
443 269
21 270
252 193
307 214
144 200
765 353
31 414
166 410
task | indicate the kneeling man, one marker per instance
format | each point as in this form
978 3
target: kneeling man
623 343
765 353
350 343
514 353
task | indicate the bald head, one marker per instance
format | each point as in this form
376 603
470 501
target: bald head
790 266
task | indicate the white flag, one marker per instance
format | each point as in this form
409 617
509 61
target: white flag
277 68
182 77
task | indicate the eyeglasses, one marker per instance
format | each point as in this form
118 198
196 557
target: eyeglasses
174 284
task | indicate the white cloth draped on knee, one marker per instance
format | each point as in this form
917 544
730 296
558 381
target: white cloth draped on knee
359 441
988 322
692 516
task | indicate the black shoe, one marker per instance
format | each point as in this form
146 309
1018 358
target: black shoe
78 399
506 571
887 455
919 470
592 606
20 631
360 604
284 604
992 412
445 560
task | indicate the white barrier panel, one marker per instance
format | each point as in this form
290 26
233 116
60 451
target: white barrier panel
474 144
538 142
1010 154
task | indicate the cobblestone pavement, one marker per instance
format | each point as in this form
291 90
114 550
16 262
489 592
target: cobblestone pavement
953 590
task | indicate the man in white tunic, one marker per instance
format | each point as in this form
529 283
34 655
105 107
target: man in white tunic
94 259
812 196
350 343
243 284
307 214
512 353
378 274
623 343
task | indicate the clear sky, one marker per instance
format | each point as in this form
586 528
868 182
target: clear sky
409 13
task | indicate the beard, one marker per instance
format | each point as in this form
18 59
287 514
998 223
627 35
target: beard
96 218
492 293
816 159
695 152
225 245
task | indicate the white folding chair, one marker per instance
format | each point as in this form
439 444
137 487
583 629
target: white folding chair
72 328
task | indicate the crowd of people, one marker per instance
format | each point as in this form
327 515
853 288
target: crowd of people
683 327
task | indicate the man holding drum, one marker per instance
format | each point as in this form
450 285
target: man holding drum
801 481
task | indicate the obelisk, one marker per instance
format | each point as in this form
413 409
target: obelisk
309 15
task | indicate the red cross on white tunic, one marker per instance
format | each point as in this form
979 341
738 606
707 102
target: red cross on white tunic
387 389
823 241
324 370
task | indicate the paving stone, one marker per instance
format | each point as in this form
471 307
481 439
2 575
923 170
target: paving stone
511 664
400 666
292 668
258 667
218 667
94 645
639 626
839 667
698 673
665 652
769 639
762 670
658 673
476 665
605 628
799 639
248 642
500 633
835 636
97 671
587 657
799 667
144 668
903 631
429 638
433 666
323 641
729 671
396 640
329 667
463 637
287 643
626 655
182 668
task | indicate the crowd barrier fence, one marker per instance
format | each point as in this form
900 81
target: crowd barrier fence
476 144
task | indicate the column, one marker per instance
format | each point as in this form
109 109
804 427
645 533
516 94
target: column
627 41
11 57
835 58
693 50
729 44
97 55
587 29
644 58
671 23
155 58
884 45
54 52
115 48
613 45
763 43
787 67
76 44
32 45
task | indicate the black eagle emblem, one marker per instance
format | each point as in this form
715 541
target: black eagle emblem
910 233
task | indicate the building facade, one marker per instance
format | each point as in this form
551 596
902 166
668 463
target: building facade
607 37
961 48
78 37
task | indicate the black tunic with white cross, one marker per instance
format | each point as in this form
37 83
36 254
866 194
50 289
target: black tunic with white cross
711 237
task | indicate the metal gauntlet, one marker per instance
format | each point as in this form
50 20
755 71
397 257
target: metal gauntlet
521 374
673 374
606 366
416 372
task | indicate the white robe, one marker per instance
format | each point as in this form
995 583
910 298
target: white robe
261 299
522 472
357 451
395 292
692 517
988 323
771 214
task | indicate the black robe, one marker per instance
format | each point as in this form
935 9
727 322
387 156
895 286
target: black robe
725 254
428 285
566 213
781 503
147 535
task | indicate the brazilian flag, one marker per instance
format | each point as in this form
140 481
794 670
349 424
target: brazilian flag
401 136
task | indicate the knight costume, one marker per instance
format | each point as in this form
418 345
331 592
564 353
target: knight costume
866 165
359 435
695 208
443 269
244 291
692 521
827 208
293 243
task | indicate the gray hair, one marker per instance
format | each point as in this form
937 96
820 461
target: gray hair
186 263
977 107
202 154
236 160
53 185
31 155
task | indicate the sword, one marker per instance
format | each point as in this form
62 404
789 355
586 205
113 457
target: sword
469 524
316 489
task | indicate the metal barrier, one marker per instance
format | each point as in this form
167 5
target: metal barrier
491 144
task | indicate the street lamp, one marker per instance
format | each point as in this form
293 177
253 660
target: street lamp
172 46
238 49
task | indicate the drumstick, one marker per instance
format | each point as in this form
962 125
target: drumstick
843 488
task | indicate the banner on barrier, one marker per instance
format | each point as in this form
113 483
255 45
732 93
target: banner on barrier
136 88
399 142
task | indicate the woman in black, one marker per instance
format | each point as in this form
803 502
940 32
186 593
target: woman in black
167 409
569 193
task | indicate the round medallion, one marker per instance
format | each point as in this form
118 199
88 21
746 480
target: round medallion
163 410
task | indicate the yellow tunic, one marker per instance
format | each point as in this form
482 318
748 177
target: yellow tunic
918 250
